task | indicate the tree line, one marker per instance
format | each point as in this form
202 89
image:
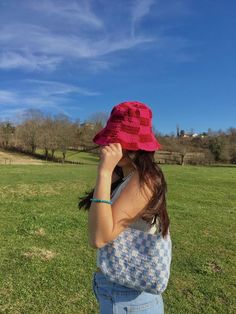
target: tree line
51 133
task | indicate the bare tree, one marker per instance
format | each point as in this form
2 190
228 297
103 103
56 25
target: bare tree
48 136
215 146
86 133
177 130
98 118
28 131
7 130
232 142
65 132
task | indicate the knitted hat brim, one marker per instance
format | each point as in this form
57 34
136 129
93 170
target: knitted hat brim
148 142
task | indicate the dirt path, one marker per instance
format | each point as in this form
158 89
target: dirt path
18 159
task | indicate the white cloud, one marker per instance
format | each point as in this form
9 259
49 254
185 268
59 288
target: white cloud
37 39
7 97
44 36
11 114
139 10
28 61
72 11
48 88
42 49
41 95
96 66
19 98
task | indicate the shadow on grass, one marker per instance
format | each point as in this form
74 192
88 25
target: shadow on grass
90 158
225 166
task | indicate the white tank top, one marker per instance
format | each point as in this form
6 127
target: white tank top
139 223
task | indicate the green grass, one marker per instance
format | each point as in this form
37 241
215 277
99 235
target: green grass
46 264
71 155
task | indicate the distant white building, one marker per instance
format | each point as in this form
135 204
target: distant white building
190 135
88 125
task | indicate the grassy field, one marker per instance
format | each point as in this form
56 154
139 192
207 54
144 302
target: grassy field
71 155
46 264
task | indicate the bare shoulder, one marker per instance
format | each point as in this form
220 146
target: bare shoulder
128 206
141 191
134 196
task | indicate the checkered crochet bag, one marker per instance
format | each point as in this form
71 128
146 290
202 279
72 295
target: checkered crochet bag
138 260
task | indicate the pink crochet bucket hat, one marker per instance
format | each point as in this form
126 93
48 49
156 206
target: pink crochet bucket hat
130 124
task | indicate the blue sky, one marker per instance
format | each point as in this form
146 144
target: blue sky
78 57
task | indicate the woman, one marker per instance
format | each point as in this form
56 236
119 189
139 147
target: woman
128 170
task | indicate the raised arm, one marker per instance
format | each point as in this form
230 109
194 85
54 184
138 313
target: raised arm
107 221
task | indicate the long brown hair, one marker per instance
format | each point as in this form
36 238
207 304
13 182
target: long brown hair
150 174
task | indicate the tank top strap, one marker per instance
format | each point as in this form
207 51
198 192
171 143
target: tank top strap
119 188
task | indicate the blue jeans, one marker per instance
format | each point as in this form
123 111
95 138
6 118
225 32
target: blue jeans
114 298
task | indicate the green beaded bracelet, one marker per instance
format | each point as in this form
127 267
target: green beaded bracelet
96 200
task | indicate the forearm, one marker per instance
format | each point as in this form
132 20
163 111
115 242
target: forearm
100 220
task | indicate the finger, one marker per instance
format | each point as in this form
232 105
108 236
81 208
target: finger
105 146
112 150
116 146
107 149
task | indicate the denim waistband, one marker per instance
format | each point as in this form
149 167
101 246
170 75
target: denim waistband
102 281
115 291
